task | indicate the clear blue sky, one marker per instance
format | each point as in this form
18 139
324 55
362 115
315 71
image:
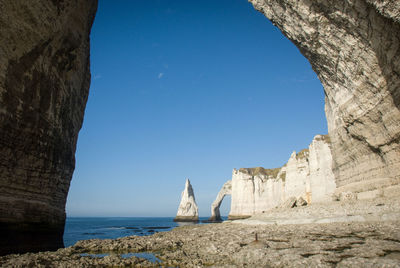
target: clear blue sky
187 89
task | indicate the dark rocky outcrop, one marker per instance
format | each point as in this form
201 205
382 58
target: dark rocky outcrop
44 84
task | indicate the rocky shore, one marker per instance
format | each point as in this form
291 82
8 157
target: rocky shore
348 239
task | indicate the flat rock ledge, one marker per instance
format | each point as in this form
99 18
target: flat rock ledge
372 210
186 219
370 243
238 217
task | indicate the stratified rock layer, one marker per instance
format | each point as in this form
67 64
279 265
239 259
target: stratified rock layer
44 83
188 210
354 47
225 190
306 177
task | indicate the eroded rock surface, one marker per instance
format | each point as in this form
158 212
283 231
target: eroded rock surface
367 210
373 243
44 83
225 190
354 47
307 175
187 210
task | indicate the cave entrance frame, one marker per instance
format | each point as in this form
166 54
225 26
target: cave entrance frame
353 48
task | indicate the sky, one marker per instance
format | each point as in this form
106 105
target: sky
187 89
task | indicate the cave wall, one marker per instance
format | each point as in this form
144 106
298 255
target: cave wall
354 47
44 84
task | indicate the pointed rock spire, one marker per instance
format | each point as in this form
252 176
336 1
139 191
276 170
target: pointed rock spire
187 210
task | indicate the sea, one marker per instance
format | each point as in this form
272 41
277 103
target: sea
82 228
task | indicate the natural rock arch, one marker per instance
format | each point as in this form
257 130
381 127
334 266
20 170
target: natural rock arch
352 45
225 190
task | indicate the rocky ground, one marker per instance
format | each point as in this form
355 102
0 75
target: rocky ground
370 210
368 242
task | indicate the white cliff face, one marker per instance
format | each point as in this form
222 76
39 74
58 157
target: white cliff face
242 199
255 190
307 174
297 172
321 179
188 210
225 190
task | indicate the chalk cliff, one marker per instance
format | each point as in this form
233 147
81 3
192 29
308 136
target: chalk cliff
225 190
354 47
187 210
44 84
307 175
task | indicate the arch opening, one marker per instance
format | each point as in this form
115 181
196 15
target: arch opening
215 206
218 98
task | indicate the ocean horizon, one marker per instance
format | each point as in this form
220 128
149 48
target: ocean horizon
83 228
